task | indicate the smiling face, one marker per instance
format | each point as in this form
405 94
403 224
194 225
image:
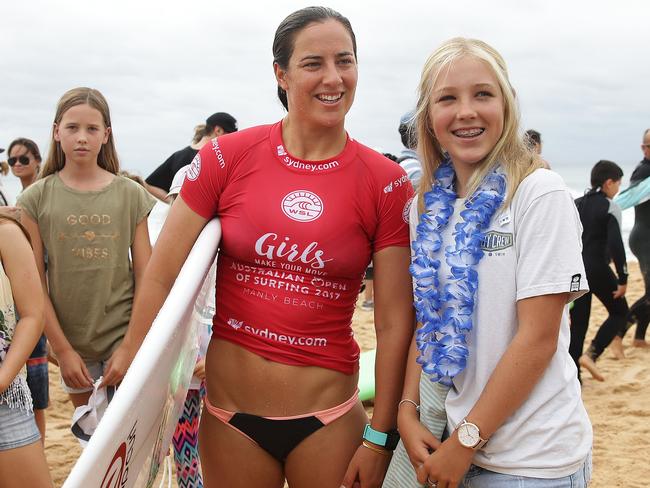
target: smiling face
321 77
467 112
19 169
81 133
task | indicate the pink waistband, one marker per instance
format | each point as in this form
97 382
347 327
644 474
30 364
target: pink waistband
326 416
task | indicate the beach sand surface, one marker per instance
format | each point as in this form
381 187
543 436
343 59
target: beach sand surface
619 408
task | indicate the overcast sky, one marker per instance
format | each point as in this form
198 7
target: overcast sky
581 68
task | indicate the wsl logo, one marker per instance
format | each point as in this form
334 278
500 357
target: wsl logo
302 206
496 241
117 473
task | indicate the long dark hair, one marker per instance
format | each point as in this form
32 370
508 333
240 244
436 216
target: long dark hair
604 170
29 145
285 35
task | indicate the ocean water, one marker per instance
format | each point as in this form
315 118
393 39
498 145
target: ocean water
575 176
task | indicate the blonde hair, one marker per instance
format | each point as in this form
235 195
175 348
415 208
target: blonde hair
510 151
107 158
200 131
4 168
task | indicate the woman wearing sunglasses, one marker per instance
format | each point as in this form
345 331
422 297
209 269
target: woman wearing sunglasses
24 159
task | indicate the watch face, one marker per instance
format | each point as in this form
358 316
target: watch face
468 435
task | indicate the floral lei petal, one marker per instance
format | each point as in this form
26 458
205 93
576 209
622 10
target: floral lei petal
446 314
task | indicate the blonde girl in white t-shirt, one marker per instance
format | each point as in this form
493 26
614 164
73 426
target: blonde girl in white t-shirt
495 259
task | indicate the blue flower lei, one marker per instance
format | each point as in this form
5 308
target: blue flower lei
446 315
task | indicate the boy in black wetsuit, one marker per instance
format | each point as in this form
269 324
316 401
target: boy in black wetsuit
601 241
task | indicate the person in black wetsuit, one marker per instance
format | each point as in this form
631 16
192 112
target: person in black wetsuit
639 239
601 241
159 182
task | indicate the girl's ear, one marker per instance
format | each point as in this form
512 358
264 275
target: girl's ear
55 133
106 135
280 76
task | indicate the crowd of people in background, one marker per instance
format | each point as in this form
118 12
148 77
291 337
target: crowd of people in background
432 238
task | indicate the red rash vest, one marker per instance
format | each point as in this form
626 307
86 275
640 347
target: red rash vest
297 237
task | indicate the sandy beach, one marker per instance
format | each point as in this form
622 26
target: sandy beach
619 408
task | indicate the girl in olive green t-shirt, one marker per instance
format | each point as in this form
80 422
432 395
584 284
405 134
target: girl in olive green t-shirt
87 218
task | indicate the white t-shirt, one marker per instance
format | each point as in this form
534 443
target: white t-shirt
532 248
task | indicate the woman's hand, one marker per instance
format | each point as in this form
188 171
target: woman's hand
366 469
73 370
13 212
199 369
447 465
418 441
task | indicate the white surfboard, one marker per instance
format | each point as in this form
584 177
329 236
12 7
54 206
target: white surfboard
135 433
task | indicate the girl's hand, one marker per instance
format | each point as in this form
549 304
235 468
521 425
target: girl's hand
418 441
447 465
73 370
117 365
13 212
199 369
366 469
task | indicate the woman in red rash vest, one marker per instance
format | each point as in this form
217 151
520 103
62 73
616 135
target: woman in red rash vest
303 208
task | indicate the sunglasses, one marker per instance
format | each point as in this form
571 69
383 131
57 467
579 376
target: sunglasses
24 160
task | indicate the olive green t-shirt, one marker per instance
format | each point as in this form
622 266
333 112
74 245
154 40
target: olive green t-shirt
87 236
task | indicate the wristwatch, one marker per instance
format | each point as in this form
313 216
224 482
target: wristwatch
469 435
387 440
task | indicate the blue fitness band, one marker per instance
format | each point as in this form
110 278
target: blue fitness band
387 440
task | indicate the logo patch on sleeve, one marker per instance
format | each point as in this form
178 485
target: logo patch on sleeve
195 168
407 210
575 282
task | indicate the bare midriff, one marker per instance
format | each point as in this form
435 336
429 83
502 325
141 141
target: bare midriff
241 381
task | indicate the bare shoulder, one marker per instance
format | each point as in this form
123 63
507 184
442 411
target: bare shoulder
7 226
10 232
